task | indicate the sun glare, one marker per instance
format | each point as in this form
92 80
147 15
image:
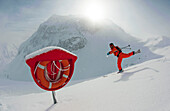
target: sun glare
95 12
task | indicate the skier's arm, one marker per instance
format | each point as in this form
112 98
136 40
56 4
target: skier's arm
110 52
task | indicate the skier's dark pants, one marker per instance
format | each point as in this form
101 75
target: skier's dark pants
121 56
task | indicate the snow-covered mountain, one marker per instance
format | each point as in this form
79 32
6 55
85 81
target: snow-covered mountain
83 37
158 42
7 54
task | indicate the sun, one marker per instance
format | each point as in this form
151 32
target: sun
94 11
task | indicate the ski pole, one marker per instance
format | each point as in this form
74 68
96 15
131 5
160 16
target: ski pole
125 47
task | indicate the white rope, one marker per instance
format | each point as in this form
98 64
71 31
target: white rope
62 69
67 66
47 73
59 72
36 67
47 77
53 73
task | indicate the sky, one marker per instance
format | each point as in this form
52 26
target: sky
19 19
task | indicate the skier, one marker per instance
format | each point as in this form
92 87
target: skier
118 52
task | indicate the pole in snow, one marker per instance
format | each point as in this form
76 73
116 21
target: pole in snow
53 94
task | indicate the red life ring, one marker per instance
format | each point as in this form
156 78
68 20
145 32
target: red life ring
59 78
51 67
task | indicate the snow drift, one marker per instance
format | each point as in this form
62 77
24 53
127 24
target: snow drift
88 40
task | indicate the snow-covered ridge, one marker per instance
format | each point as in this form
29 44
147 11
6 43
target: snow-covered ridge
7 53
158 42
69 32
89 41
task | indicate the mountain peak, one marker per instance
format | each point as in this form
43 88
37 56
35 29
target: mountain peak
76 34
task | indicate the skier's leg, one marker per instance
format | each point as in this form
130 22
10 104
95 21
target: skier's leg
124 55
138 51
119 61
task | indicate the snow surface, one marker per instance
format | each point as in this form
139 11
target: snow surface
7 53
142 87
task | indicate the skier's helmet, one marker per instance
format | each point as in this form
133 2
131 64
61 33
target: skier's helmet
111 45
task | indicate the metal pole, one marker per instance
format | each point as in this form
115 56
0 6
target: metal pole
125 47
53 94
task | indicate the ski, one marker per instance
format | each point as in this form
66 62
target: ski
120 72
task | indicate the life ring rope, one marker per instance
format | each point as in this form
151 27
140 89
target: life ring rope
60 68
36 68
46 73
43 67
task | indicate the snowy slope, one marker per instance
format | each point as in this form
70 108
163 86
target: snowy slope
7 53
88 40
142 87
158 42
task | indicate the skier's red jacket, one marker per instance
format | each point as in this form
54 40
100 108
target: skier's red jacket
118 52
115 50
